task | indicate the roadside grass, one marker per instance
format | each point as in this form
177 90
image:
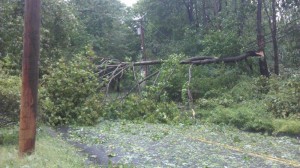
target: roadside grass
50 152
284 126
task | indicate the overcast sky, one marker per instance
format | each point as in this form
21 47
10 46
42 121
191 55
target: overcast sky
129 2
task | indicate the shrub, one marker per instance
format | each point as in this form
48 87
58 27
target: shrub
219 43
9 135
283 126
172 78
283 99
250 116
141 108
9 98
69 93
244 90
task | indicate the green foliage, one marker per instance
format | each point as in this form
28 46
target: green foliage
223 94
283 99
49 151
284 126
246 89
139 108
165 26
8 136
9 98
62 32
218 43
250 116
253 104
168 86
70 92
107 23
11 31
213 80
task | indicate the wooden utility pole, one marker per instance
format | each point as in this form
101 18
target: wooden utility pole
29 93
144 56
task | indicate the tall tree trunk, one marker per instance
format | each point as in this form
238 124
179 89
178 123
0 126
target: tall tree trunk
190 7
31 48
274 38
260 41
204 15
241 18
217 6
196 14
234 4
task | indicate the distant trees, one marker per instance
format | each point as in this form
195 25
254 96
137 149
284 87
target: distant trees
192 27
108 24
217 27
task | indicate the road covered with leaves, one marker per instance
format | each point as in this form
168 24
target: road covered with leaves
199 145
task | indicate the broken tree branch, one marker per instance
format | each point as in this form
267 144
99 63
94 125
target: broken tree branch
210 60
148 77
199 60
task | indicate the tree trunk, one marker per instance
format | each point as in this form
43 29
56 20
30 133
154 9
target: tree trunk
29 93
260 41
196 14
274 38
190 7
241 18
234 4
217 6
204 15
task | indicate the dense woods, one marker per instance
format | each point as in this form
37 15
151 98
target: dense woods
230 62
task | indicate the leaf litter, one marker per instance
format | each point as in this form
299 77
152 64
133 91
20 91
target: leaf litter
201 145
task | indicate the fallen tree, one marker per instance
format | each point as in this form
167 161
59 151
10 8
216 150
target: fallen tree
202 60
198 60
112 70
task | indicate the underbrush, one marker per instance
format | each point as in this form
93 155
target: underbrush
9 98
70 93
8 136
286 126
135 107
256 104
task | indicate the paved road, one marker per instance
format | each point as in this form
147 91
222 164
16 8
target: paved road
201 145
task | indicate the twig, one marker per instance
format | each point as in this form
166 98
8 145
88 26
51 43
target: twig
156 78
148 77
115 73
135 78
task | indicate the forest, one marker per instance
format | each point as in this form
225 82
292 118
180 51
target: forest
158 69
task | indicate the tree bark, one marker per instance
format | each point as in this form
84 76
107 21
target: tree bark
234 4
241 18
190 7
274 38
30 72
260 41
217 6
210 60
204 15
198 60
